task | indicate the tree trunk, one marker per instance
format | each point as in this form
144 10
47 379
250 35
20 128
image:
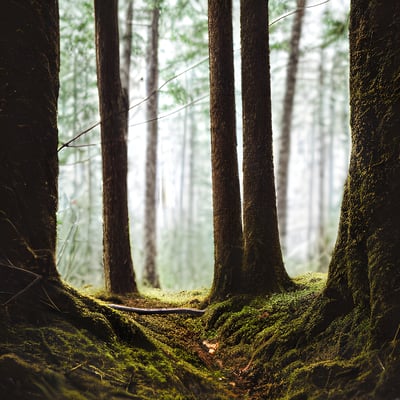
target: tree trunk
365 268
127 51
263 266
118 266
150 274
286 124
29 65
320 109
228 242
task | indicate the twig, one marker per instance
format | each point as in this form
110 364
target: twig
297 10
27 287
52 304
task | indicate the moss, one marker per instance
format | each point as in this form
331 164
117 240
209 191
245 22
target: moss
73 347
264 347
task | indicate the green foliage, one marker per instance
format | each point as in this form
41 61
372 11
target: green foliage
335 29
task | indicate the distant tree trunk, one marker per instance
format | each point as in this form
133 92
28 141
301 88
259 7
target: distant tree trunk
365 268
150 274
263 266
118 266
286 124
228 242
320 110
127 53
29 65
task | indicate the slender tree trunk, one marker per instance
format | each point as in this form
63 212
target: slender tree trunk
263 266
29 65
286 124
321 237
225 175
127 51
150 274
118 266
365 268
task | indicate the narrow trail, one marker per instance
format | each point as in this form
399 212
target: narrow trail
181 330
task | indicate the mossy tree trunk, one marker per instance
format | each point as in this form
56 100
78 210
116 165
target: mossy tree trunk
228 242
118 266
29 65
263 270
365 268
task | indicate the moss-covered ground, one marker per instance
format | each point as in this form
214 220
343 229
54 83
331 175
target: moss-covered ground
73 347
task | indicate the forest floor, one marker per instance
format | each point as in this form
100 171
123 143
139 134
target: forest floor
239 349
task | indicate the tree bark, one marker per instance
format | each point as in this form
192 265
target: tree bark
263 270
118 266
286 124
29 66
365 268
228 242
150 274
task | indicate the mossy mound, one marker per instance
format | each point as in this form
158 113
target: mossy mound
59 344
281 348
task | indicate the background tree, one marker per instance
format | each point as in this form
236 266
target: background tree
118 266
263 269
150 274
29 61
228 242
286 123
79 230
364 272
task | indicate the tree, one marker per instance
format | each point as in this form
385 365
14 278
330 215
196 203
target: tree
286 123
29 64
263 270
118 266
127 53
228 242
150 274
364 271
79 230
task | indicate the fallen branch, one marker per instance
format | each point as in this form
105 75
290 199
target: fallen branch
148 311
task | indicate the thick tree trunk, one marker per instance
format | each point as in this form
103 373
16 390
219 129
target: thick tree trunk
263 266
286 124
29 65
365 268
228 242
150 274
118 267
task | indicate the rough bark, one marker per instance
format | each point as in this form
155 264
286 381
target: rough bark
263 266
118 266
228 242
286 123
365 268
150 274
29 65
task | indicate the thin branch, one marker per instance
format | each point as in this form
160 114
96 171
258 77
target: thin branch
68 143
297 10
172 112
27 287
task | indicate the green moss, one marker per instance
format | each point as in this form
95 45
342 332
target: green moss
276 347
76 348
